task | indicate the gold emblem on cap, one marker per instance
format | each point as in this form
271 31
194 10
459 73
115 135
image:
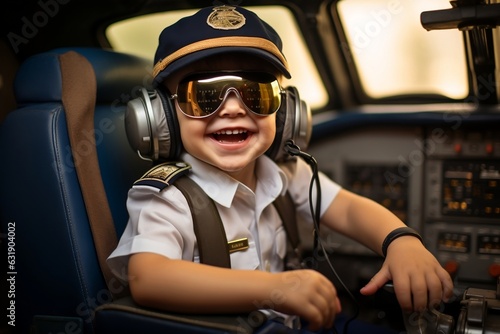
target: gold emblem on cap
225 18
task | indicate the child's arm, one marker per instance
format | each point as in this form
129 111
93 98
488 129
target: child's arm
419 280
183 286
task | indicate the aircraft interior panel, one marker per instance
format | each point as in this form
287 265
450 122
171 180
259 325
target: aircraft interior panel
442 182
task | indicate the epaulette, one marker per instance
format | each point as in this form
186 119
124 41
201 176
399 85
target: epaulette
163 175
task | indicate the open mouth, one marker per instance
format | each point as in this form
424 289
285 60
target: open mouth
230 136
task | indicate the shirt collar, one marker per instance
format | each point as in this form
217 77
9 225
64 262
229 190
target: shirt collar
271 177
222 188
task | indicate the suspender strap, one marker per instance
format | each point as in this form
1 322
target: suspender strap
79 98
208 228
285 207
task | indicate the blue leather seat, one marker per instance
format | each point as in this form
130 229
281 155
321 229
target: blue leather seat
57 282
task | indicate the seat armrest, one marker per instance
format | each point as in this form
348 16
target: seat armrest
125 316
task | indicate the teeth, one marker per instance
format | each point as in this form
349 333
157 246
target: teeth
230 132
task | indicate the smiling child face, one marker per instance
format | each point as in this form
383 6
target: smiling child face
232 138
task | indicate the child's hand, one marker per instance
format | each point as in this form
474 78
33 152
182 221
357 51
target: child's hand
308 294
419 280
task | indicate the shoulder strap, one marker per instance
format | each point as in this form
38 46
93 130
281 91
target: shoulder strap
79 98
208 227
285 207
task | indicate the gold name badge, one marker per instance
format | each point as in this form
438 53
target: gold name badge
238 245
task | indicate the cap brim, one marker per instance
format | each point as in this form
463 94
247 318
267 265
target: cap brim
199 55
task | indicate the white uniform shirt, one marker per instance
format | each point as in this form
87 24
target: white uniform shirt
160 221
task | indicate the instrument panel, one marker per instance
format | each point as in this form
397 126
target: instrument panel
440 180
462 204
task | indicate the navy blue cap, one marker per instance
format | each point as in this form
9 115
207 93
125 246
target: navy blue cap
216 30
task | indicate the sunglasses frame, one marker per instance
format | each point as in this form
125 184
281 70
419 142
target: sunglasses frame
229 90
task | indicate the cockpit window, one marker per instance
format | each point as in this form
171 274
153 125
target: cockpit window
139 36
394 55
388 51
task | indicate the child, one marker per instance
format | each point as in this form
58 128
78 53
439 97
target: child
225 141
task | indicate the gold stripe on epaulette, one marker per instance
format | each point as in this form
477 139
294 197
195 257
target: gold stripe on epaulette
165 171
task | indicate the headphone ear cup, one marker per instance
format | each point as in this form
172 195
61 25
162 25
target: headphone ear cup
151 126
140 125
293 122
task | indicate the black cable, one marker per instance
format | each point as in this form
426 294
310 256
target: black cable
315 208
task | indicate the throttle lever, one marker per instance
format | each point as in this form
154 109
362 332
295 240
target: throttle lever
426 322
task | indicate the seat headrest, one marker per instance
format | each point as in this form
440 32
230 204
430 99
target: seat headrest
39 77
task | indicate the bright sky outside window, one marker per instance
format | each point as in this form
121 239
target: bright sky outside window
395 55
139 36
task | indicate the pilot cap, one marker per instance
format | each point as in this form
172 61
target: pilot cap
216 30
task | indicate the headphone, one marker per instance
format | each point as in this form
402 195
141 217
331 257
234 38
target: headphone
153 131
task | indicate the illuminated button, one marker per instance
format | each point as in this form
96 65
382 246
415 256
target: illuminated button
451 267
457 148
494 270
489 148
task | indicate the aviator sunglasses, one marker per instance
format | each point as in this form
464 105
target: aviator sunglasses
202 95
